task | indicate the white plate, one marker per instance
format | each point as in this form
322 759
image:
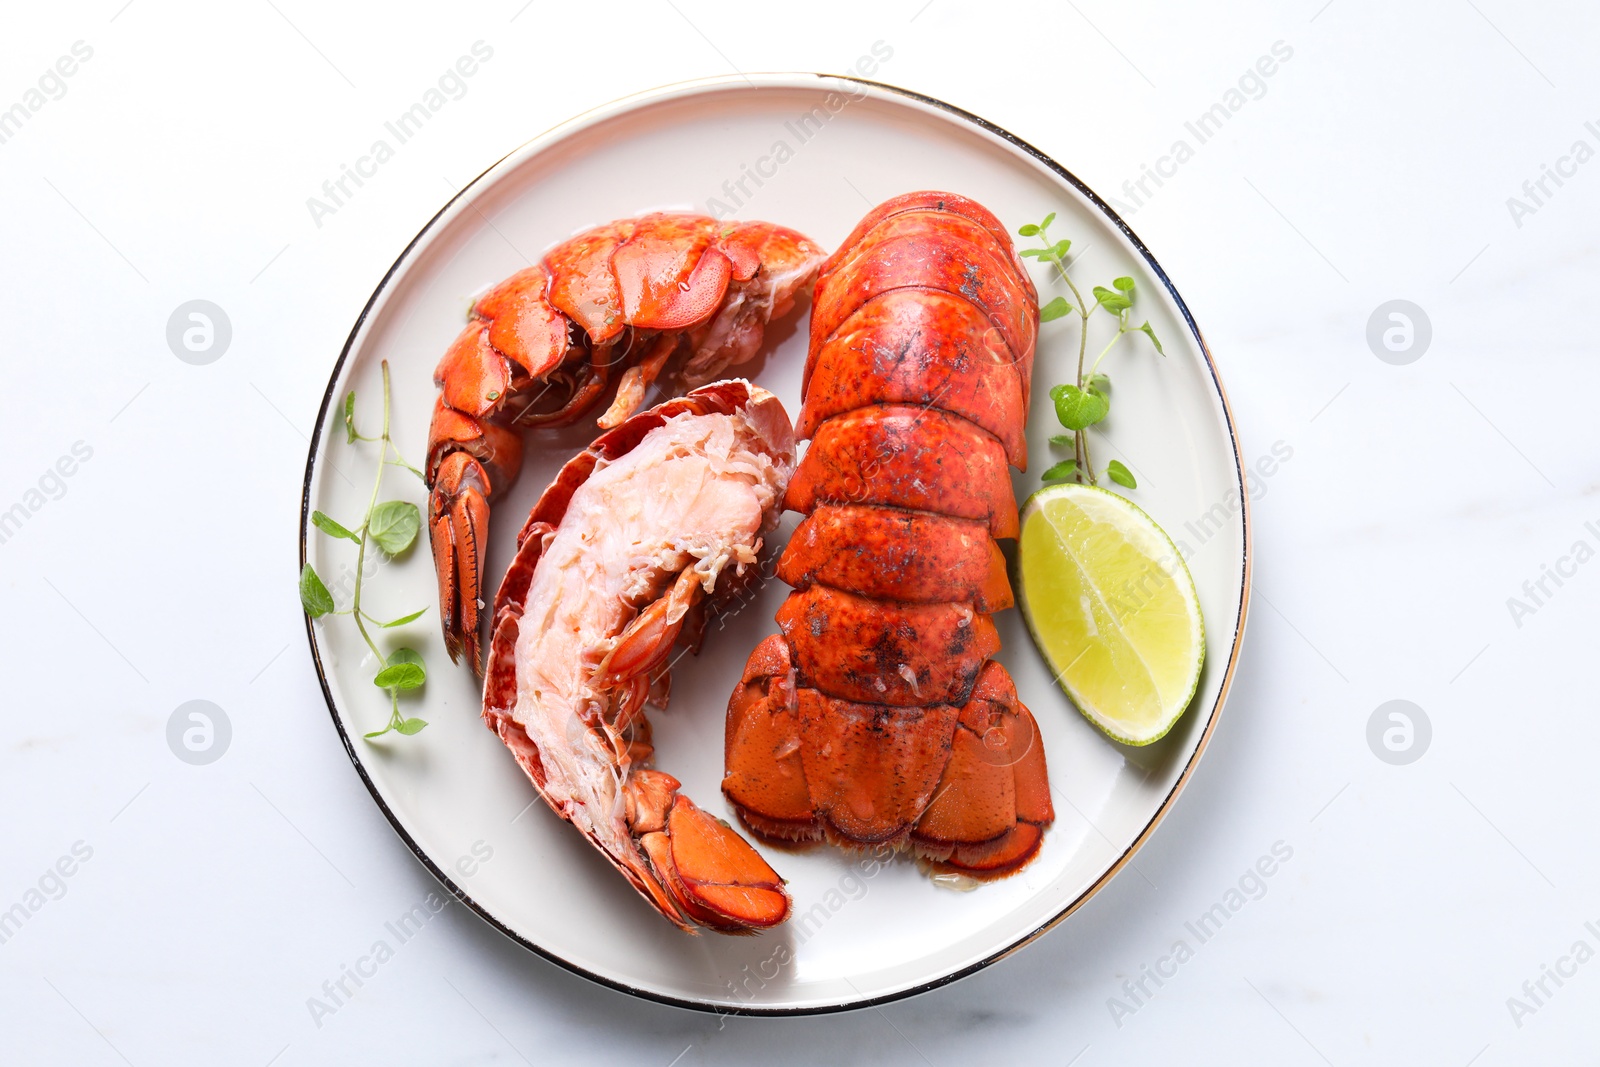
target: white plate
856 938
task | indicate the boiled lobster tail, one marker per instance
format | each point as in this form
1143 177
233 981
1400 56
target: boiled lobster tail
617 564
877 716
601 313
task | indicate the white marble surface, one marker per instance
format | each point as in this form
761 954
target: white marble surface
1375 165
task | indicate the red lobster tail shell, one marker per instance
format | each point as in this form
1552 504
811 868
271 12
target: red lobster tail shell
877 716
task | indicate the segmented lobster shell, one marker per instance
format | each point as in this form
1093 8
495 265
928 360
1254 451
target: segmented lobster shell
878 716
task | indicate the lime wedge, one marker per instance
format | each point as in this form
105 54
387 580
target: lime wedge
1111 605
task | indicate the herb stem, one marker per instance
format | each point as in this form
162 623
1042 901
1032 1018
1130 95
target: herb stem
391 528
366 534
1080 438
1103 352
1082 443
1088 464
1084 402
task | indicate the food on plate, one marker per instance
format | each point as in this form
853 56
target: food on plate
617 563
877 716
1112 606
606 308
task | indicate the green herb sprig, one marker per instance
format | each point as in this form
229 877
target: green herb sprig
391 527
1086 399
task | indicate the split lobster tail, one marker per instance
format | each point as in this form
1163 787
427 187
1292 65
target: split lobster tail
877 715
619 562
601 313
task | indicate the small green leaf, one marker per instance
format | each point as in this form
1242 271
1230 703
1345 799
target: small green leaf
1111 300
314 596
401 676
378 733
1055 309
1077 408
1066 469
1097 383
1063 439
1059 249
1121 475
1034 253
350 418
411 726
402 620
1124 284
328 526
1148 332
394 525
1048 219
403 670
1028 230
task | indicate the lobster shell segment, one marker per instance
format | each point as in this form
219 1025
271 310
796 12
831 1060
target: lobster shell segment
914 346
618 562
907 655
892 554
920 458
878 716
916 203
946 255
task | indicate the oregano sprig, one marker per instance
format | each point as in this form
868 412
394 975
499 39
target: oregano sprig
391 527
1086 400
